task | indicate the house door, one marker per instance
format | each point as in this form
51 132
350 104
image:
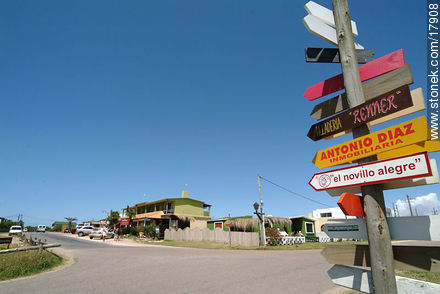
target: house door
218 225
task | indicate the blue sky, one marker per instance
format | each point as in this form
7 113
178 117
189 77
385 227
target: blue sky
109 103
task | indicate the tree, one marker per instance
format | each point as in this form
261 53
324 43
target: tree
70 220
113 218
131 211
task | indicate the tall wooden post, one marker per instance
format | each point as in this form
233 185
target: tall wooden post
381 252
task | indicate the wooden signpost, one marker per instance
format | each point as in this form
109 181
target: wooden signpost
403 134
426 146
398 184
383 105
384 83
418 104
351 204
326 15
323 31
331 55
405 167
367 71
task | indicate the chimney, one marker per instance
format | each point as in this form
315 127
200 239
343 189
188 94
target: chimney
184 194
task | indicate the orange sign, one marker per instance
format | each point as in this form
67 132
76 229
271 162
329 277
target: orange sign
404 134
351 204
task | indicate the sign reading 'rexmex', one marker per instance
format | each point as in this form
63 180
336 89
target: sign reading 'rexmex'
378 107
397 136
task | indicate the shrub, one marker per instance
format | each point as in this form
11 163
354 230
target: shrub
125 231
273 235
133 231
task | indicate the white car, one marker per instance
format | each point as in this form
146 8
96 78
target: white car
282 233
41 228
15 230
84 231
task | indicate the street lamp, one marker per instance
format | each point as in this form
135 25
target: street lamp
261 218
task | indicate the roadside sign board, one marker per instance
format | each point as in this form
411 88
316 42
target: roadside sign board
426 146
315 26
228 225
384 83
325 15
425 227
404 167
351 204
331 55
367 71
383 105
417 100
398 184
125 222
403 134
415 257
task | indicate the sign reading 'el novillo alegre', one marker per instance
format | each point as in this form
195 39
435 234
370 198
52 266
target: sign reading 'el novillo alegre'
385 104
397 136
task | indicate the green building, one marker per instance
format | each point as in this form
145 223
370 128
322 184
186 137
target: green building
304 225
171 213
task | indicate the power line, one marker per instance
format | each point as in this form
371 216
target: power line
294 193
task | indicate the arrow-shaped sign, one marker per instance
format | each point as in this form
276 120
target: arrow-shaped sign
405 167
323 31
383 105
404 134
406 183
387 82
331 55
367 71
325 15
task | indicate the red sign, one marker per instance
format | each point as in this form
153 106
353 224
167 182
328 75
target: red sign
125 221
367 71
351 204
228 225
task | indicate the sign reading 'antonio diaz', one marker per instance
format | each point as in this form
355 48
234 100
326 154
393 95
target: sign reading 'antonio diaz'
397 136
378 107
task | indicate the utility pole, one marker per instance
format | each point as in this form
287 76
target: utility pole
379 240
409 204
434 211
262 229
394 209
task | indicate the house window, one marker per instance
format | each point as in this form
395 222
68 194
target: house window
218 225
326 214
170 208
309 228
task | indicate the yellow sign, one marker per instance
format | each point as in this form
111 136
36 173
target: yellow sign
404 134
428 146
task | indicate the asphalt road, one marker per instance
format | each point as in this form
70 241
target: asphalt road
103 268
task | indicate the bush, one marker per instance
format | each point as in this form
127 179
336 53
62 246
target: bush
273 235
125 231
150 230
133 231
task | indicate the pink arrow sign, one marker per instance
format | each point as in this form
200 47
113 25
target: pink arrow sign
399 168
367 71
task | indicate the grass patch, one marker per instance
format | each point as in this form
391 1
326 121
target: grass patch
217 245
423 276
25 263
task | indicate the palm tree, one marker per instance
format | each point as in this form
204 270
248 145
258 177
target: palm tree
131 211
70 220
113 218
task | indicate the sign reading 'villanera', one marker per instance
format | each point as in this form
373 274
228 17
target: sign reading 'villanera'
405 167
407 133
378 107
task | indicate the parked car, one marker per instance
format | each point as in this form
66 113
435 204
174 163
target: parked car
73 230
41 228
84 231
25 230
97 233
66 230
15 230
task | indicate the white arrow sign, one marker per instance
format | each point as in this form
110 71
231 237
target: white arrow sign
325 15
434 179
326 32
399 168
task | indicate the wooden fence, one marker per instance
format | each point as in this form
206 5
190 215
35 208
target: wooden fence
248 239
